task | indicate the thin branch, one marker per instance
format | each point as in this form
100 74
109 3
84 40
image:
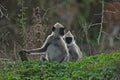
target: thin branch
95 24
100 33
3 14
111 11
109 34
45 13
3 7
60 4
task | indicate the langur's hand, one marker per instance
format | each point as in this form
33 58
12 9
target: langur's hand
23 55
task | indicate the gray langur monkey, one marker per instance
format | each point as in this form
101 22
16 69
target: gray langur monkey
54 46
74 51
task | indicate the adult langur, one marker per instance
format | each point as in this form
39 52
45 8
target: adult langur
54 46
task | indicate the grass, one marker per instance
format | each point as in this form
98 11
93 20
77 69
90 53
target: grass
98 67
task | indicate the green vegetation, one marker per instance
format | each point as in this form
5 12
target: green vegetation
98 67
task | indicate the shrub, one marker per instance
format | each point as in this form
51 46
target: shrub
98 67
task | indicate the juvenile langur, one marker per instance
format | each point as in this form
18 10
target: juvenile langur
54 46
74 51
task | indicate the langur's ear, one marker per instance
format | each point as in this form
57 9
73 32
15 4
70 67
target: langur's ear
53 28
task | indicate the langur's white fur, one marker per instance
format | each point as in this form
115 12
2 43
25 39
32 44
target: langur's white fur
54 46
74 50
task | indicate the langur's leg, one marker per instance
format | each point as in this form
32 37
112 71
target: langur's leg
43 59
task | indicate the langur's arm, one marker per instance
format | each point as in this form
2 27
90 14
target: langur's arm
78 51
39 50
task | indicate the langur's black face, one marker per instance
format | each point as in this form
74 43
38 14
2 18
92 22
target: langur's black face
68 40
59 31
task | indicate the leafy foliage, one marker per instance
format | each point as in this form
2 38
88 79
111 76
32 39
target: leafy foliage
98 67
